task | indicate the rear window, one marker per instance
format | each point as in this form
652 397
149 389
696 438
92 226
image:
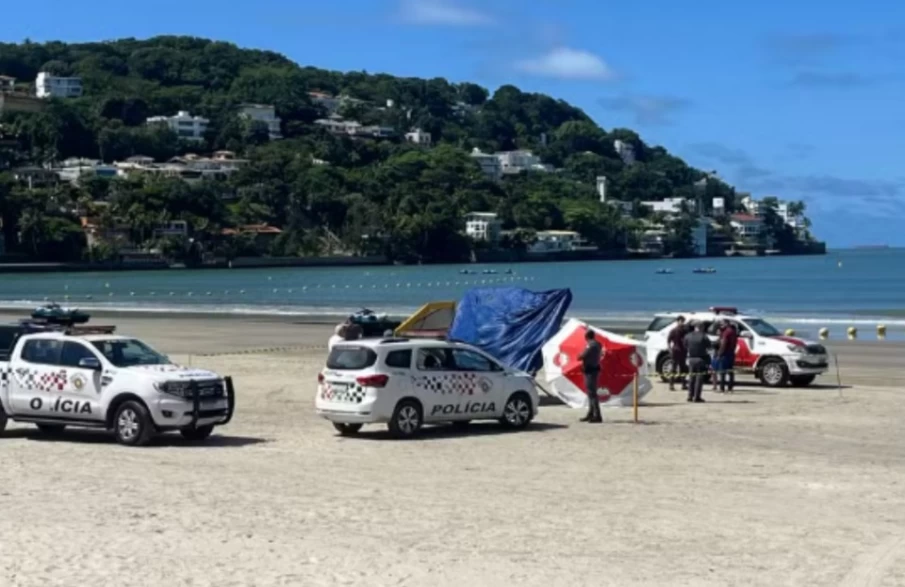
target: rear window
660 322
7 337
399 359
351 358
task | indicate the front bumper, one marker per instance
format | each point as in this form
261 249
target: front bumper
175 413
808 364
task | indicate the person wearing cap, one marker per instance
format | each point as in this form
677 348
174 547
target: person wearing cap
698 346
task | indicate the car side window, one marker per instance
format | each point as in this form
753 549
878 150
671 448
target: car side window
7 339
74 352
42 351
434 360
399 359
466 360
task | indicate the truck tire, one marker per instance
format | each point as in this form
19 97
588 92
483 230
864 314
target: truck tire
51 429
407 419
774 372
197 434
664 367
132 425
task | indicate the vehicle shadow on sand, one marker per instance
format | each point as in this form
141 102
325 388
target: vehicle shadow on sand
445 431
163 440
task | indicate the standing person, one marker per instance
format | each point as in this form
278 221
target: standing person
678 354
590 366
698 345
726 357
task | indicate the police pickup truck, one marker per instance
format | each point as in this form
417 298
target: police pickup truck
85 376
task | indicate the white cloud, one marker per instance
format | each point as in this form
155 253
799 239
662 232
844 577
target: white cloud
442 12
566 63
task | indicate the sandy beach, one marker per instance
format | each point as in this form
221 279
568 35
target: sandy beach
760 487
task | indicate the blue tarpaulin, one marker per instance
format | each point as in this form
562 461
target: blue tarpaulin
510 323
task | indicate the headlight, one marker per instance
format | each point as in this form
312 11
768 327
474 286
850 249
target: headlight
176 388
797 349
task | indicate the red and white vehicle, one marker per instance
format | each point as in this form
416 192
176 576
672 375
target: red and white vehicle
763 350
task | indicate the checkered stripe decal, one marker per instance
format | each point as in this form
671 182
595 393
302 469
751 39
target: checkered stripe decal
453 383
354 394
47 381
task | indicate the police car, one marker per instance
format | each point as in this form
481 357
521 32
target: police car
406 383
90 377
777 360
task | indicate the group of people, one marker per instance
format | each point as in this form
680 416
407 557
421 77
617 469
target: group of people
690 351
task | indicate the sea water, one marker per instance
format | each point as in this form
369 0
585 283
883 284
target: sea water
851 288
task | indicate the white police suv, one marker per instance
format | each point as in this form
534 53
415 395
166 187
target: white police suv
408 383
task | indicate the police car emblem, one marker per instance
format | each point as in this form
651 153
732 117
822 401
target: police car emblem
79 381
485 384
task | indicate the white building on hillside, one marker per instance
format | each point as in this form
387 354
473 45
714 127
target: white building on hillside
51 86
7 84
419 137
263 113
626 151
483 226
558 241
668 206
490 164
186 126
519 161
747 225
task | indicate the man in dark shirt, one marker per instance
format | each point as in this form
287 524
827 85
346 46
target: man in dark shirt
698 345
677 354
726 357
590 365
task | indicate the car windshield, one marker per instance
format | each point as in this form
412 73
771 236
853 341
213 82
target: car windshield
127 352
761 327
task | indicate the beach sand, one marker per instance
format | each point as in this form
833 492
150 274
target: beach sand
761 487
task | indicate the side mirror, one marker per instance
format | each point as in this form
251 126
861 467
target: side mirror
90 363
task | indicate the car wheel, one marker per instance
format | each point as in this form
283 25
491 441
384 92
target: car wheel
51 429
774 373
347 429
132 424
196 434
407 419
3 419
518 411
802 380
664 368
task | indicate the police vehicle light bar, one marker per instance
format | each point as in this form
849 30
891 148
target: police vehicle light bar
90 330
723 310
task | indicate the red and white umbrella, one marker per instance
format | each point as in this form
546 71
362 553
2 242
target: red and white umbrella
622 360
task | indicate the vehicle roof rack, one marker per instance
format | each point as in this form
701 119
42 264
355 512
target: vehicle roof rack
723 310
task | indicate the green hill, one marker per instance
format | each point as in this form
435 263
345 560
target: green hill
374 194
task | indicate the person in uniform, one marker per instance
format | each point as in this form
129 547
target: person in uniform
698 346
590 366
678 354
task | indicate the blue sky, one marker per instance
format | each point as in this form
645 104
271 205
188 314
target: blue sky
798 99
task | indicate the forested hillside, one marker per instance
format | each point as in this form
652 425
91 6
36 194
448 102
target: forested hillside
387 195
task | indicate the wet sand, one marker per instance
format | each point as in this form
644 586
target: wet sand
761 487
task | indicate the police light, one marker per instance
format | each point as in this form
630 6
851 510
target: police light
723 310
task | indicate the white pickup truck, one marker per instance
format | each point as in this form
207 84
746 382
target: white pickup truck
89 377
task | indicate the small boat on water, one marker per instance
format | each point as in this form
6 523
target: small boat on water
663 271
704 270
57 314
489 272
467 272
